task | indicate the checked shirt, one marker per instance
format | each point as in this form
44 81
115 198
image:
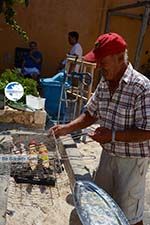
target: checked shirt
128 107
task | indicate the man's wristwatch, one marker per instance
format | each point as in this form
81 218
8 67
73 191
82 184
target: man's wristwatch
113 136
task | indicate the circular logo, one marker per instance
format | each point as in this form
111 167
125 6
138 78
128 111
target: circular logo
14 91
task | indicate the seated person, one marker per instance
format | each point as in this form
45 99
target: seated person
32 62
76 49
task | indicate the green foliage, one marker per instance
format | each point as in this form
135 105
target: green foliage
29 85
7 9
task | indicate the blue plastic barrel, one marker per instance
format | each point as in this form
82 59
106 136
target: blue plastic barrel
58 77
52 92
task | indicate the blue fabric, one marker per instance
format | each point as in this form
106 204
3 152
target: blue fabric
30 63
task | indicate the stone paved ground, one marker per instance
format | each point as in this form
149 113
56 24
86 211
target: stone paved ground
91 152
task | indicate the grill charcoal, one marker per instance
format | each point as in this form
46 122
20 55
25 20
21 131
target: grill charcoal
42 181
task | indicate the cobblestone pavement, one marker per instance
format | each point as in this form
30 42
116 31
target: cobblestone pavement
91 152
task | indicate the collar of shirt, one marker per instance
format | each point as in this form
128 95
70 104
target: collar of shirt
126 77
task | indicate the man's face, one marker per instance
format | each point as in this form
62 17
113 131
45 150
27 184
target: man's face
110 67
71 40
32 46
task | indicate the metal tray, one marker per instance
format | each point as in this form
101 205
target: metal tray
95 207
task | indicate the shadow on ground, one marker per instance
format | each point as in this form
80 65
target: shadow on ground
74 219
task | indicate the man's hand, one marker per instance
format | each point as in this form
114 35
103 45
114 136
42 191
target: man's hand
31 53
59 130
36 60
102 135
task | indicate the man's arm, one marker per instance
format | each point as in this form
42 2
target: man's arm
37 59
23 63
132 135
84 120
104 135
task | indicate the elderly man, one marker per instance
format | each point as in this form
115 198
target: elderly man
121 104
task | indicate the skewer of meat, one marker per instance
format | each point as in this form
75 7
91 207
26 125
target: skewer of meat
33 154
43 155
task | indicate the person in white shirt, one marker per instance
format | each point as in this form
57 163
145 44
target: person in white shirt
76 49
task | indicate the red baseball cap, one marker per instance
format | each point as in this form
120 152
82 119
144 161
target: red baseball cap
106 44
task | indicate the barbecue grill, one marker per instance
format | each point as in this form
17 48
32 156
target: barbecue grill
33 157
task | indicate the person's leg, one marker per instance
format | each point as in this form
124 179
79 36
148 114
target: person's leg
28 76
35 76
124 180
104 174
129 187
